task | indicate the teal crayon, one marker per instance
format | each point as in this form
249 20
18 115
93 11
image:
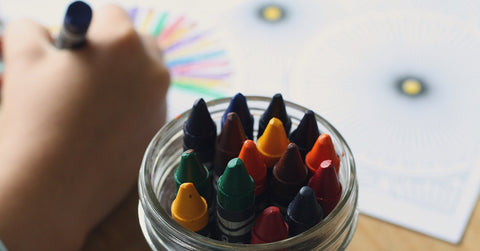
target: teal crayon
192 170
235 203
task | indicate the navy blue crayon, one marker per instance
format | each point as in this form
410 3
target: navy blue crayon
200 133
303 212
75 25
276 109
306 133
238 104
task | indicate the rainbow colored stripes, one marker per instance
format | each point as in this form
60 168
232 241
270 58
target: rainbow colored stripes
195 59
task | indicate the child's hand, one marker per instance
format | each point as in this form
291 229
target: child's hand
73 129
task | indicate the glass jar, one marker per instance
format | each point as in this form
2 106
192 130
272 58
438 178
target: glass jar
157 190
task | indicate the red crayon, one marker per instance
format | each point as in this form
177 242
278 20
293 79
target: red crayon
270 227
326 186
322 150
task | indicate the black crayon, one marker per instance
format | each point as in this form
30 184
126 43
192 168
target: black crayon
276 109
200 133
303 212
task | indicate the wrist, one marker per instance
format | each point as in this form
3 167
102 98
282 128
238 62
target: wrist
33 216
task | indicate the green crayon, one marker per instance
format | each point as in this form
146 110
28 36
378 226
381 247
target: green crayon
192 170
235 203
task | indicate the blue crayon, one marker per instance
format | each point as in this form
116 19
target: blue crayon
303 212
75 25
238 104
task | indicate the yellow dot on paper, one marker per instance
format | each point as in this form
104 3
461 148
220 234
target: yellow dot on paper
411 87
272 13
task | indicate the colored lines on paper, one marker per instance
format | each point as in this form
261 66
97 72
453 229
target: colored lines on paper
194 56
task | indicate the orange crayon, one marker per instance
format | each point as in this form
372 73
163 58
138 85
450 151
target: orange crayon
273 142
190 209
254 164
323 149
258 171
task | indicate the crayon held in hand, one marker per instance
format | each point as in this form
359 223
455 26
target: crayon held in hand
238 104
190 209
276 109
306 133
326 186
269 227
235 203
75 25
303 212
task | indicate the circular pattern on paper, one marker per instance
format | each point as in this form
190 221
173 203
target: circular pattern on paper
402 87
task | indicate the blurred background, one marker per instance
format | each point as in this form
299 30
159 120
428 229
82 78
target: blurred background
398 79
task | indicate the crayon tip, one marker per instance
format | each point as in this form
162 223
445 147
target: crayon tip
229 142
235 188
270 227
277 109
192 170
326 185
190 209
238 104
306 133
290 168
232 136
289 175
77 17
303 212
254 164
199 121
273 142
200 132
323 149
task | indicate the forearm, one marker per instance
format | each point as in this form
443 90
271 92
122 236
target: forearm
33 213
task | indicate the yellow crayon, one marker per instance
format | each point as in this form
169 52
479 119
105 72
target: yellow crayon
190 209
